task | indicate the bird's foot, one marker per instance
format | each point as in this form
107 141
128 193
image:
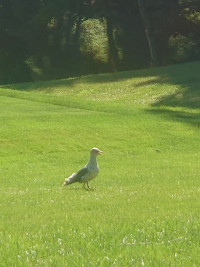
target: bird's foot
88 188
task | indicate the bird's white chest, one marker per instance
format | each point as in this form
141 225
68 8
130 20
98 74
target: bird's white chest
92 173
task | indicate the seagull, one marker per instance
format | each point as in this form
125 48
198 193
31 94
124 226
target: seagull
88 172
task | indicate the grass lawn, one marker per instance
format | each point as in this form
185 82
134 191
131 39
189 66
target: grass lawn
143 208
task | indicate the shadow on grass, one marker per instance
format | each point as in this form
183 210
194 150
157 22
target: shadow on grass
45 86
81 188
188 81
49 85
178 116
184 76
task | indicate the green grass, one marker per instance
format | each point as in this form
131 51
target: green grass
143 209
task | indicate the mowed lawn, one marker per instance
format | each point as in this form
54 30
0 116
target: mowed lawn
142 209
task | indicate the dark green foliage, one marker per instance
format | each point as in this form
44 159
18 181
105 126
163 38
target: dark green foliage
13 55
45 39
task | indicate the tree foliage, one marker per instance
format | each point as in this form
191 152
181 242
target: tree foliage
45 35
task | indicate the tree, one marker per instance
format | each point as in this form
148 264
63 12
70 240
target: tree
148 32
46 34
15 30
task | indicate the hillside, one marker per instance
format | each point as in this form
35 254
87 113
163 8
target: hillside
142 209
176 85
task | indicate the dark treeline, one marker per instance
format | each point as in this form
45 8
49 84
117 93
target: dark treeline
45 36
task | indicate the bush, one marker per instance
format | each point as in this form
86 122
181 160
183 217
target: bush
182 49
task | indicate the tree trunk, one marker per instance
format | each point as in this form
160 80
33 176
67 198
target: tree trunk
77 32
68 23
113 58
112 52
149 36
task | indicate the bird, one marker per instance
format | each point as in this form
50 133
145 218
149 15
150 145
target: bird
88 172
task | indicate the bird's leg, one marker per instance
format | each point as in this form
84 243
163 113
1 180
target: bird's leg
88 186
84 185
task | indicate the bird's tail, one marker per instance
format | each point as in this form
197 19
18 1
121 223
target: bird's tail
70 180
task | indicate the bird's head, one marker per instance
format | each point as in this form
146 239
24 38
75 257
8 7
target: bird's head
95 151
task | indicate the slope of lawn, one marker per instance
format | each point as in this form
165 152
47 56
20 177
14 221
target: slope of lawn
142 209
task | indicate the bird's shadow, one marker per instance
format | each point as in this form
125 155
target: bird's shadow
82 188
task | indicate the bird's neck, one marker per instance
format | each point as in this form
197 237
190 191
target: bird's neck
93 160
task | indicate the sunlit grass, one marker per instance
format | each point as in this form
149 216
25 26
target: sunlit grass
166 85
143 208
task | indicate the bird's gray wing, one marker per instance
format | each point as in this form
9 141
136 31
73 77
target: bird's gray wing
81 173
76 177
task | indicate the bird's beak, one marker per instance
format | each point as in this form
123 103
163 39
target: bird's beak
100 152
